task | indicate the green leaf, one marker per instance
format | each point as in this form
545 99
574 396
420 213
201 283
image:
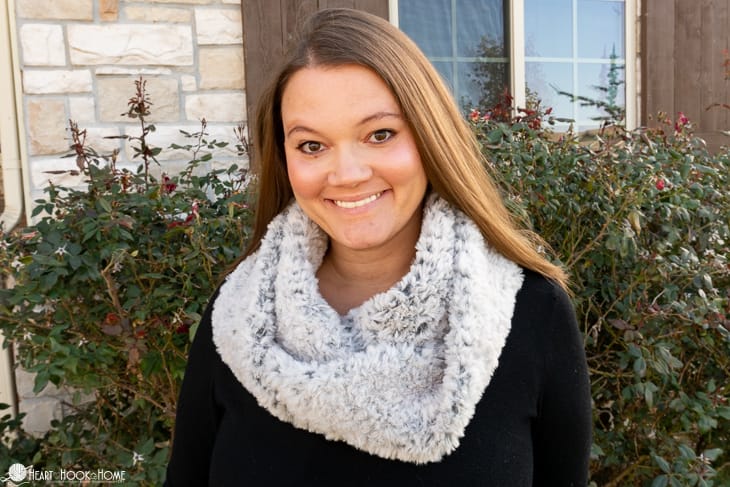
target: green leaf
105 205
712 454
649 397
145 447
686 451
68 457
74 261
494 136
49 280
192 331
706 424
724 412
41 381
153 276
640 366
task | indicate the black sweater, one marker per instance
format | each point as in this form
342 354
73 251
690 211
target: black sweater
532 426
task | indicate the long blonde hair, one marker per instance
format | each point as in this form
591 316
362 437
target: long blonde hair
449 151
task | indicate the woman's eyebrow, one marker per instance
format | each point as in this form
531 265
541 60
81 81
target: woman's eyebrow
378 116
301 128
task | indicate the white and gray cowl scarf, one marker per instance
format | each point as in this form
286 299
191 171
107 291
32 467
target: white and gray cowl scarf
400 375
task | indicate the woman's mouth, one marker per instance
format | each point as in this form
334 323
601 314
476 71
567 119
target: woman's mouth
358 203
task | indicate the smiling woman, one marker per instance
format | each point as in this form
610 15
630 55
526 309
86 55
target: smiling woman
389 324
355 170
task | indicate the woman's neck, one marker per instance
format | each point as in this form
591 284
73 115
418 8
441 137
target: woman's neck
348 277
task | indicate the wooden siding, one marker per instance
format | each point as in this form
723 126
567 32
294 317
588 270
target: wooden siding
268 25
682 59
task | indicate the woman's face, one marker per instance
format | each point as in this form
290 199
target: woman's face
351 157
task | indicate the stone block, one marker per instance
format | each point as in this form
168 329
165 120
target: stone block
216 107
158 14
48 404
192 2
224 133
55 9
218 26
188 82
36 81
99 139
221 68
39 412
225 164
166 135
82 109
59 171
131 44
113 94
162 137
134 72
42 45
25 382
109 10
46 121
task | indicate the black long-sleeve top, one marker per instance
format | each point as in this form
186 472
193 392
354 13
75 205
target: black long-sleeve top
532 426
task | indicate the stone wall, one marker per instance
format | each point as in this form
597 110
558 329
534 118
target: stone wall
79 60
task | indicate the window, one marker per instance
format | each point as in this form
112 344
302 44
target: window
466 40
551 50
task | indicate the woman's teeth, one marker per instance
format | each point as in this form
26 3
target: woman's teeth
356 204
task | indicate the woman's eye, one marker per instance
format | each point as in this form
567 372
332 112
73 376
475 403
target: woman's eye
380 136
310 147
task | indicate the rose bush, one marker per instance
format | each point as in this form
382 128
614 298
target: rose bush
109 286
642 221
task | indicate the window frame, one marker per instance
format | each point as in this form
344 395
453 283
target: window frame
516 23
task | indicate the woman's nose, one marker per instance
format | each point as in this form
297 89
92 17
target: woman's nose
350 169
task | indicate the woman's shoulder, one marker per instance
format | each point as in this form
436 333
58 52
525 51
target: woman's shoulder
537 287
542 300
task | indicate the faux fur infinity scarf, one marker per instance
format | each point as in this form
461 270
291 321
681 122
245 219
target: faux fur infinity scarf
400 375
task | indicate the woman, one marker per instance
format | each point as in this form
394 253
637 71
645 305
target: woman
389 324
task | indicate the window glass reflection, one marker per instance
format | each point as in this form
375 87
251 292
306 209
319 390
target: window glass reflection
593 83
480 28
428 23
471 56
545 81
549 28
600 28
481 84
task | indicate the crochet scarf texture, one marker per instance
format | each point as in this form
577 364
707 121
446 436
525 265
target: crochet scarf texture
400 375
